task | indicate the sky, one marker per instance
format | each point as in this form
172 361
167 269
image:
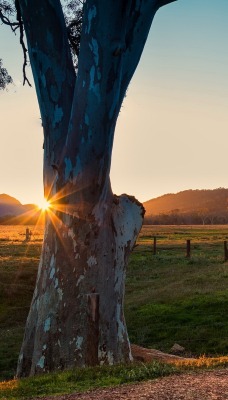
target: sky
172 130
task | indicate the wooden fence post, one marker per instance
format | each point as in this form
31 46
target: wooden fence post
225 251
93 328
27 235
188 248
155 245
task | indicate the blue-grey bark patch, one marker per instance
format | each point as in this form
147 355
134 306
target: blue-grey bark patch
43 80
78 342
94 86
91 14
41 362
94 48
86 119
52 273
47 324
78 167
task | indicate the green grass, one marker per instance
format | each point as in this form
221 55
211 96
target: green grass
82 379
169 298
172 299
18 267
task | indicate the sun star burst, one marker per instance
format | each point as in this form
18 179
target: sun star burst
44 205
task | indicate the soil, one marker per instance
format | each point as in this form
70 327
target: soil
209 385
200 385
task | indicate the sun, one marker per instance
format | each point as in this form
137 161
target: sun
44 205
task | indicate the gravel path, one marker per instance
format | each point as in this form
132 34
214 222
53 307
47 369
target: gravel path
206 385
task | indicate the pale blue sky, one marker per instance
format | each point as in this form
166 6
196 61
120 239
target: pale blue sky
172 130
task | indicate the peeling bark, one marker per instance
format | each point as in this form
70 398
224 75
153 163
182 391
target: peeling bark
76 316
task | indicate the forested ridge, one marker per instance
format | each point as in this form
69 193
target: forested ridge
189 207
12 212
186 207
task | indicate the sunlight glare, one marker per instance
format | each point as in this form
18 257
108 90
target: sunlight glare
44 206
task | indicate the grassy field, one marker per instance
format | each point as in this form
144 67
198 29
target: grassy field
82 379
18 267
173 299
169 298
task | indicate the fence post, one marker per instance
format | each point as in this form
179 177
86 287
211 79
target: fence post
225 251
155 245
93 328
188 248
27 235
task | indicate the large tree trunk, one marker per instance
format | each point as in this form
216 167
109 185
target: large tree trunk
76 315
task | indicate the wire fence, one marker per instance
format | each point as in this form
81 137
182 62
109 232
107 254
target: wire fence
152 245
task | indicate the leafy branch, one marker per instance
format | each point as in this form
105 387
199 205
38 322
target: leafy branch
10 15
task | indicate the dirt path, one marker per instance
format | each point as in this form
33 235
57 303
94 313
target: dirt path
209 385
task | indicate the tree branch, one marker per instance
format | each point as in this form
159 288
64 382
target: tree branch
48 47
5 20
24 49
97 92
53 72
7 9
140 19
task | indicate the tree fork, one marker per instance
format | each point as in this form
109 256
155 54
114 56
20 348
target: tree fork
89 232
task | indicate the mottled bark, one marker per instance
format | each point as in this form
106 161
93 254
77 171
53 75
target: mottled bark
82 262
76 315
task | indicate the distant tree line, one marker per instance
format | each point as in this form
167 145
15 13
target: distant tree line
189 207
20 220
173 218
192 218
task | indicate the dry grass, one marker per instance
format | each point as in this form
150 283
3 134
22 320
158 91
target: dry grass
202 362
16 233
9 385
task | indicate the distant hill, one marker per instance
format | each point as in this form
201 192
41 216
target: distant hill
186 207
189 206
5 198
13 212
